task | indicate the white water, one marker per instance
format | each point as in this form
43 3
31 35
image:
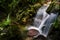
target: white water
39 21
41 18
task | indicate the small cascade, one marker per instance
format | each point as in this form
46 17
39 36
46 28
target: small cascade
43 21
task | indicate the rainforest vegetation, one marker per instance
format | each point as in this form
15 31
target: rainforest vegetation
16 14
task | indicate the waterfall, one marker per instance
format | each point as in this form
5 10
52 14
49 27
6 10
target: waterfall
41 18
43 21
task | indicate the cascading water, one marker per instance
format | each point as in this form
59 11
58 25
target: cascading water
43 21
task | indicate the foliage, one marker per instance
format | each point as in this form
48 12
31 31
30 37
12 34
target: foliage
57 23
14 13
18 11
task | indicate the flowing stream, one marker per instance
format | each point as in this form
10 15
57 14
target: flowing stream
43 21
